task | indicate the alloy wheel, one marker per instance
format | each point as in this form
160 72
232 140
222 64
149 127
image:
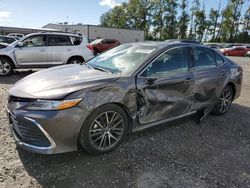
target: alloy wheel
106 130
4 68
225 100
76 62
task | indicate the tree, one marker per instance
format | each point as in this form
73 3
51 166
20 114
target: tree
183 21
213 21
193 22
200 23
116 17
157 19
170 12
230 24
244 36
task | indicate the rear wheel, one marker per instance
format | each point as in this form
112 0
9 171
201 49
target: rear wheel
6 67
96 51
104 129
224 102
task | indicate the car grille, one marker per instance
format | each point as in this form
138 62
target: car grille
19 99
28 132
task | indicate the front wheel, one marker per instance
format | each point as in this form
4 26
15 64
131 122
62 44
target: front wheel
104 129
224 102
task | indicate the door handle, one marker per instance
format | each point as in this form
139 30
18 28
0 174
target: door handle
188 79
42 50
69 50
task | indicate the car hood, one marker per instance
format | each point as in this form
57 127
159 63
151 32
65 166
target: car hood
58 82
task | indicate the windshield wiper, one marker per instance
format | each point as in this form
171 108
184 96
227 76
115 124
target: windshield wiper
102 69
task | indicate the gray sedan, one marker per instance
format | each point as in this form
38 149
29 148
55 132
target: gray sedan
126 89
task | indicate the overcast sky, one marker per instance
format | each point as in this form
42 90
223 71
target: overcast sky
37 13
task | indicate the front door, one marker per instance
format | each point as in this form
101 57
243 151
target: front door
33 51
165 87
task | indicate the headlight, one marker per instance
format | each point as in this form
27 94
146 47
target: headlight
52 105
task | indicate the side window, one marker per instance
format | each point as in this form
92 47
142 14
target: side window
104 41
10 40
57 40
170 63
110 41
219 59
34 41
203 58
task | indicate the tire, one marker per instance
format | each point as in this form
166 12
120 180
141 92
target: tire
225 101
76 60
97 136
6 67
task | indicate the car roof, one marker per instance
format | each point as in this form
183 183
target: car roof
165 44
55 33
7 36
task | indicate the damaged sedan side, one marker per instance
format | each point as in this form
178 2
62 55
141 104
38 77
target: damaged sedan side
126 89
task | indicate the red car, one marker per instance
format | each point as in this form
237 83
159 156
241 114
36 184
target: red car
101 45
235 51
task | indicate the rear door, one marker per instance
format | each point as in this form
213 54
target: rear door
33 51
210 73
165 87
103 45
59 49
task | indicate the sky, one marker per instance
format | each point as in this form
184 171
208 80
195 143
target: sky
37 13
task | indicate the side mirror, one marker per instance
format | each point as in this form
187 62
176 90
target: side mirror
20 44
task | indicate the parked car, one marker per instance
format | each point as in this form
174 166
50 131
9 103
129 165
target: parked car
7 40
101 45
18 36
44 50
234 51
248 54
126 89
3 45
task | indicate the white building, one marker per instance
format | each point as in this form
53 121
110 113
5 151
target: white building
93 32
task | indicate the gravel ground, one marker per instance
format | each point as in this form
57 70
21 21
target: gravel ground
215 153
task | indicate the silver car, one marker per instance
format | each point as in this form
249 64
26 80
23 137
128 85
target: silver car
42 50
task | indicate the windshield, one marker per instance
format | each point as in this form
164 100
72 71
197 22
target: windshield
96 41
123 59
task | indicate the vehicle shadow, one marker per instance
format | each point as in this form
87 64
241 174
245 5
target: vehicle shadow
181 147
15 77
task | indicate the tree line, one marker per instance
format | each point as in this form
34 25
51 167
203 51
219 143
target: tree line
183 19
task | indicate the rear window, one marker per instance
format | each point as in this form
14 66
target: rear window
96 41
203 58
219 59
76 40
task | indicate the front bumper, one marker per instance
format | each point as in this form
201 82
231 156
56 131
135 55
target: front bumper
47 132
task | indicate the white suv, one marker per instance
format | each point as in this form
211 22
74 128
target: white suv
40 50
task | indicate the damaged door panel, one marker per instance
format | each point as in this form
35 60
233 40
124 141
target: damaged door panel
209 79
165 87
165 98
